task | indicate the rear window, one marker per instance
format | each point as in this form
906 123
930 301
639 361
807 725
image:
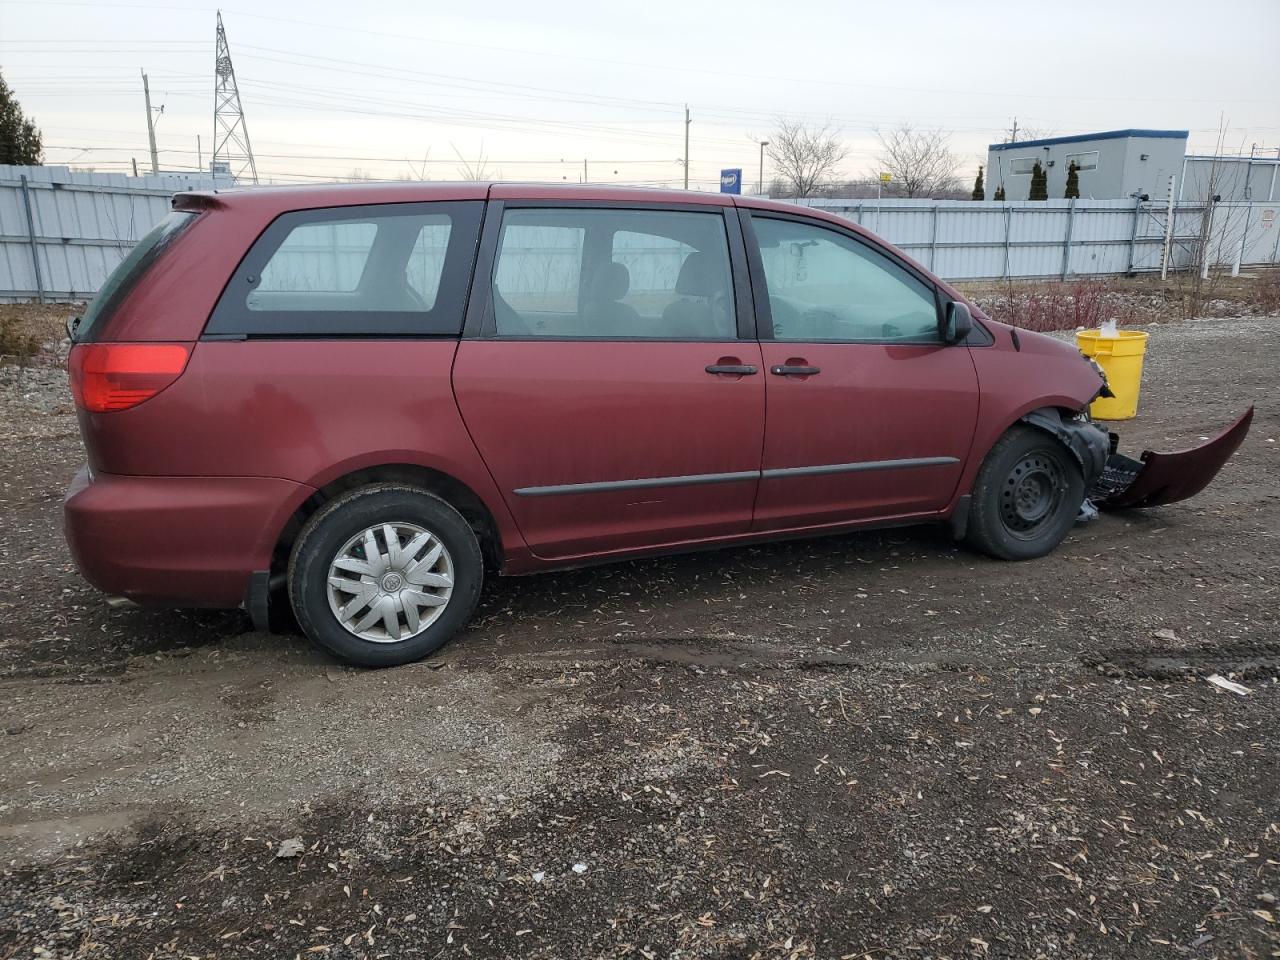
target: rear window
378 270
128 272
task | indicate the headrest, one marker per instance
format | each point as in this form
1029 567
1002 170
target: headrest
611 283
699 276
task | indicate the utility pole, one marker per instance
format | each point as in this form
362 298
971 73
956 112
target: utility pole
230 133
584 170
135 165
687 121
760 184
1014 138
199 155
151 125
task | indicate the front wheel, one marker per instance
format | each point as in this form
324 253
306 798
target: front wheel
1026 497
384 575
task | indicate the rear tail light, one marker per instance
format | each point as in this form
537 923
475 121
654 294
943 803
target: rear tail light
117 376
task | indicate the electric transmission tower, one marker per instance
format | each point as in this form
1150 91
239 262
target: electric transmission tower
230 135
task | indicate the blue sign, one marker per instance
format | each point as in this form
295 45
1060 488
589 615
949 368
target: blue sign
731 181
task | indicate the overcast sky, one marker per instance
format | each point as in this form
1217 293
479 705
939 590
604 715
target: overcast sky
536 87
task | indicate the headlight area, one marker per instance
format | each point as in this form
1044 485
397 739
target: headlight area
1105 389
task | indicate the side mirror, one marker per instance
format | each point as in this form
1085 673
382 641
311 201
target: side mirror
957 323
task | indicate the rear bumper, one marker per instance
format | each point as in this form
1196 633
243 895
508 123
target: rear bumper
186 541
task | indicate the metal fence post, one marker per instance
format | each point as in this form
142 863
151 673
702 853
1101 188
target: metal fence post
933 240
1168 233
31 234
1133 237
1066 242
1008 229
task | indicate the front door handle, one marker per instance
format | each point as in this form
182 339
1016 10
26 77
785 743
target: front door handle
794 370
735 369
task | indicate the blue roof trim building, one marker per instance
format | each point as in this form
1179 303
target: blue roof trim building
1079 138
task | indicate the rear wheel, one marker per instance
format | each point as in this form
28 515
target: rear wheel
385 575
1026 497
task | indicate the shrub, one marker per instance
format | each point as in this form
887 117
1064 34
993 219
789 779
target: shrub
1039 183
1062 306
1266 292
15 342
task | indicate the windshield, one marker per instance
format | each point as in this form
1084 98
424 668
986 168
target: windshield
121 280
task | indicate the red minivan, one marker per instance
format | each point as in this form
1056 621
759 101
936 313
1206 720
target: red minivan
357 399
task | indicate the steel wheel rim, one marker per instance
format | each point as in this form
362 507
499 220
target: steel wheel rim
390 582
1031 494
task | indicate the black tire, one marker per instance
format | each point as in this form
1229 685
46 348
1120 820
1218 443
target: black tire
1027 496
346 517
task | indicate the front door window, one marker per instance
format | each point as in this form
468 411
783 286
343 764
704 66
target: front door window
826 287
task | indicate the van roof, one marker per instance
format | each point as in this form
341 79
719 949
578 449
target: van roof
282 198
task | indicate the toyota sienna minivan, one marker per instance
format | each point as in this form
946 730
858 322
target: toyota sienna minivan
358 400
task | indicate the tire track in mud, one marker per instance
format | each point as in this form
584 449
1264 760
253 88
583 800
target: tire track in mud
1245 661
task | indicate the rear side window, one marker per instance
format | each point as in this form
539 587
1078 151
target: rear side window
384 270
599 273
316 258
128 272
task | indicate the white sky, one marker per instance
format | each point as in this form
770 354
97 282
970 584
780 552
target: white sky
539 85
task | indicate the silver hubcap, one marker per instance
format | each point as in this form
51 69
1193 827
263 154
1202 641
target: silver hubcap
390 582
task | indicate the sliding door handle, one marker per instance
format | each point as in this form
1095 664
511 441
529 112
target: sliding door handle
794 370
735 369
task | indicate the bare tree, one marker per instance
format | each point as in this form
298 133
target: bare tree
920 161
477 169
1220 227
805 157
420 174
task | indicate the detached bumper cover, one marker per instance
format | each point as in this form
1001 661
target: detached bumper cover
1159 478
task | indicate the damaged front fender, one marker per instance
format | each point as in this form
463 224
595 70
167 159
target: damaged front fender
1088 443
1159 478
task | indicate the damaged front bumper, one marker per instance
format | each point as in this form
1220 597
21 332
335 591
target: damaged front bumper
1159 478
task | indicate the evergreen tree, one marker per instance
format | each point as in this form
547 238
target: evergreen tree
999 194
979 188
1073 182
19 137
1039 183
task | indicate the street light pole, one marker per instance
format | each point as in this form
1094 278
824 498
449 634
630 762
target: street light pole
760 184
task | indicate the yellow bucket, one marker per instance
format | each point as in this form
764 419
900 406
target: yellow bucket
1121 357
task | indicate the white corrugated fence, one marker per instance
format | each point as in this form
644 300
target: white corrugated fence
62 231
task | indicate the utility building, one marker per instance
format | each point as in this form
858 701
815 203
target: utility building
1111 165
1230 178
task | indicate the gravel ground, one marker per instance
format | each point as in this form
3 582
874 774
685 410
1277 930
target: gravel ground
864 746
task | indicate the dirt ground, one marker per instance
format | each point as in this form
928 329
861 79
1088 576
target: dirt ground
878 745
